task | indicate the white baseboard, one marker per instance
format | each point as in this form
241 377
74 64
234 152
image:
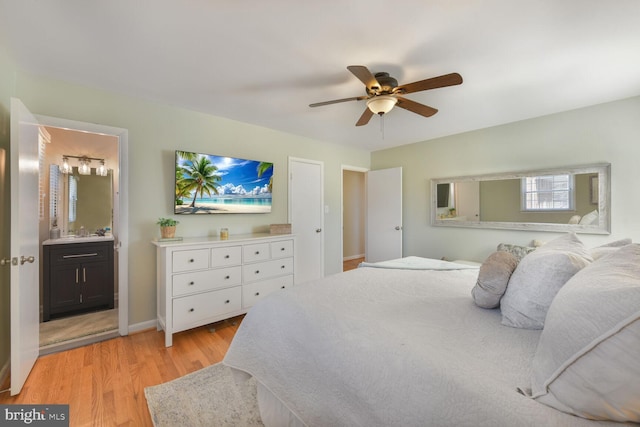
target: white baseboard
143 326
349 258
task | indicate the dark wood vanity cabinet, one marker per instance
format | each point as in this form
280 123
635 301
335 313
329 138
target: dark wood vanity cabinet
77 277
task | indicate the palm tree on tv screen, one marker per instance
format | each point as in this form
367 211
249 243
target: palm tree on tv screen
262 168
200 177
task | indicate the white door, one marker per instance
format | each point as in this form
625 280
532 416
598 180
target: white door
306 217
468 200
25 259
384 215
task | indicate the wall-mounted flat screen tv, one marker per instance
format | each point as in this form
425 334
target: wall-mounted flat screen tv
208 184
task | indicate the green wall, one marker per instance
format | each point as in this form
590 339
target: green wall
605 133
155 131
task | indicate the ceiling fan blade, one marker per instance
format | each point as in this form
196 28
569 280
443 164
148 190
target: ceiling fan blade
416 107
365 117
335 101
365 76
432 83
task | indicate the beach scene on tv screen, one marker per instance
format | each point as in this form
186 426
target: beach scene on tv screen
208 184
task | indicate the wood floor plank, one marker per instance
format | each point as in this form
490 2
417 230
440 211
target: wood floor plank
103 383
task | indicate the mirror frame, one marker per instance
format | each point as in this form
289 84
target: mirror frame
604 201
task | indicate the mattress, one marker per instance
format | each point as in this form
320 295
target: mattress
390 346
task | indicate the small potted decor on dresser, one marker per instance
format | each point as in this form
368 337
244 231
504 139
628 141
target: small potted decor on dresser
167 227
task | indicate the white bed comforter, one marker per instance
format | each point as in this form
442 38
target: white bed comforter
391 347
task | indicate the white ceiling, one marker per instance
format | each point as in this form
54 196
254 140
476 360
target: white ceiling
264 61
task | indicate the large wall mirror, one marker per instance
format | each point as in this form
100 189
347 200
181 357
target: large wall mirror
563 199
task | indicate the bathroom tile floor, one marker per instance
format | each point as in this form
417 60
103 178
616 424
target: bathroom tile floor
83 325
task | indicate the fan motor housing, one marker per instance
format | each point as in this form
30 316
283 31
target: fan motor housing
387 84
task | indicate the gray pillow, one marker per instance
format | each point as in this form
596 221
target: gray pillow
586 362
607 248
538 278
493 278
518 251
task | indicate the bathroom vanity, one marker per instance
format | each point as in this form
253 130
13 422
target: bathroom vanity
78 275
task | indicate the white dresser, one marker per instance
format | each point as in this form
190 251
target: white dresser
205 280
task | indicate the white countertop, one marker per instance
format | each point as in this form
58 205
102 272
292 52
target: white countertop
73 239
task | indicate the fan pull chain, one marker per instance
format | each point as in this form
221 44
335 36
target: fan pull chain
382 125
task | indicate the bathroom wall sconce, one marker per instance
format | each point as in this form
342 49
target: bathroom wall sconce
83 168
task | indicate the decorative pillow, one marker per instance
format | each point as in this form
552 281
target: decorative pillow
538 278
574 219
586 363
606 249
518 251
590 219
493 277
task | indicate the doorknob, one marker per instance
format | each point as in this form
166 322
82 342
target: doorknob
398 227
318 230
29 259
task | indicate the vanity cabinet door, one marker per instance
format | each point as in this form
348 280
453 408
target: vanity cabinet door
64 288
95 290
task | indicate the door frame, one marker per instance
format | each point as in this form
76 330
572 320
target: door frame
351 169
120 205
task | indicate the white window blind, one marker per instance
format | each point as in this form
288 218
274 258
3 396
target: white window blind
73 197
54 185
548 193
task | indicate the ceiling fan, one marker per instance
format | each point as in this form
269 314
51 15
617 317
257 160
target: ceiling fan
383 93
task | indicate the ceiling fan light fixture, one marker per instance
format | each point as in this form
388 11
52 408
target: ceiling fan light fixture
381 104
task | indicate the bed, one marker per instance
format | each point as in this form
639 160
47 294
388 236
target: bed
397 343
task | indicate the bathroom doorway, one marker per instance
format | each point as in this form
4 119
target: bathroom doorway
65 212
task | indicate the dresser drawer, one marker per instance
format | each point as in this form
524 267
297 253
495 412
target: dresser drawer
256 252
254 292
196 259
267 269
199 281
223 257
192 310
283 249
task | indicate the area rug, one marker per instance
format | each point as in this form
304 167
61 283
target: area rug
208 397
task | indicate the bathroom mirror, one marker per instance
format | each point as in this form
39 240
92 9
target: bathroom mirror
82 201
562 199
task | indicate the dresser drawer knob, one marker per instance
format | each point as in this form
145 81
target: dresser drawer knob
191 283
282 249
191 260
257 252
227 301
257 271
282 287
283 266
191 310
227 256
227 277
257 293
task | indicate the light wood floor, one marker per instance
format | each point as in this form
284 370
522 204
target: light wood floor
104 383
351 264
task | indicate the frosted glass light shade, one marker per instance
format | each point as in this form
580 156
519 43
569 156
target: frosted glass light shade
381 104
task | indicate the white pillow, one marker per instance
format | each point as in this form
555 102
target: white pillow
587 361
590 219
607 248
574 219
493 278
537 279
